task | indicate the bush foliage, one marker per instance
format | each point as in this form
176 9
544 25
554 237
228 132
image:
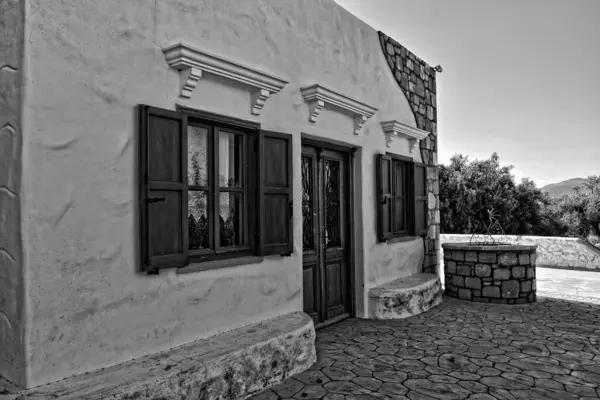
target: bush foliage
469 188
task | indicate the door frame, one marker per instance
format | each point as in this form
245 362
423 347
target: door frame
350 151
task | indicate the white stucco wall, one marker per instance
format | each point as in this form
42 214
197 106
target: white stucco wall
90 63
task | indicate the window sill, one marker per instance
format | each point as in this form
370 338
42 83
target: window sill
218 264
400 239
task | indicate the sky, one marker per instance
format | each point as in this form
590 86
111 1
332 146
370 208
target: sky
520 78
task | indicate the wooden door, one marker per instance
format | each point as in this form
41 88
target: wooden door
326 234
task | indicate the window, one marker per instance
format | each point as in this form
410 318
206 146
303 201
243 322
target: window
401 197
211 188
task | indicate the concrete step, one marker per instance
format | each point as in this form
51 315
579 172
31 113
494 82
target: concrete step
405 297
232 365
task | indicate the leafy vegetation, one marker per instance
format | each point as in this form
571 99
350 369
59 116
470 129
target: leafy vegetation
468 189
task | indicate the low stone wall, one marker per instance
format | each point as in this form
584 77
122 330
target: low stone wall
558 252
501 274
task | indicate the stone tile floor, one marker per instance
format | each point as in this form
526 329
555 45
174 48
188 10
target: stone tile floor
461 350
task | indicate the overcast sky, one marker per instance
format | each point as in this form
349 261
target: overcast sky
521 77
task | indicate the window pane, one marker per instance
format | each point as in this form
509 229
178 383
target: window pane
399 215
308 240
231 219
230 160
198 220
197 156
399 179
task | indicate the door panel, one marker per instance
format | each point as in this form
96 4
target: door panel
325 214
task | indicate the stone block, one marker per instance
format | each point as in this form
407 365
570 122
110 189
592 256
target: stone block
511 289
458 255
473 283
521 301
518 272
530 272
390 49
502 274
464 294
526 286
533 285
499 301
483 270
471 256
458 281
524 259
451 267
491 292
532 259
508 259
531 298
464 270
405 297
487 257
476 293
486 283
411 87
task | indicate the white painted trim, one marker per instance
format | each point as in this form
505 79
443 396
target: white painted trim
317 96
394 128
192 62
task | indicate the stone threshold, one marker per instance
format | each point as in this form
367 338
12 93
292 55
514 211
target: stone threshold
232 365
405 297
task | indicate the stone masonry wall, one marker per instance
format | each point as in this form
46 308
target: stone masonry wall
417 80
12 349
502 276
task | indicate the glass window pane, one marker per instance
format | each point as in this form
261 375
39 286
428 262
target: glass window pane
332 204
231 222
198 220
399 215
197 156
230 160
399 179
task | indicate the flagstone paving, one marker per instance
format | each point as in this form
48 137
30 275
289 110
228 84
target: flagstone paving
459 350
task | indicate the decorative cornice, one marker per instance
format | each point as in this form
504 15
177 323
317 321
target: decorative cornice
394 128
317 96
192 62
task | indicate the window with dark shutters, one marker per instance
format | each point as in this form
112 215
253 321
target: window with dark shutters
211 188
163 188
401 197
275 193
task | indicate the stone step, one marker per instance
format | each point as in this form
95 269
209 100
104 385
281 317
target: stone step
232 365
405 297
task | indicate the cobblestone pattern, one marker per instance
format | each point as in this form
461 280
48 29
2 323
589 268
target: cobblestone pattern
417 80
459 350
490 276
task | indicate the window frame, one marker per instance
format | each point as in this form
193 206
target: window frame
409 199
249 131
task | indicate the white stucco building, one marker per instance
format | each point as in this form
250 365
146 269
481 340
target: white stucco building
173 170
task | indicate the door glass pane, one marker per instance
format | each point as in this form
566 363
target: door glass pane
230 160
198 219
332 203
231 219
308 240
197 156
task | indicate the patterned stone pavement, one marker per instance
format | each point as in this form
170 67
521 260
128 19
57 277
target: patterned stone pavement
459 350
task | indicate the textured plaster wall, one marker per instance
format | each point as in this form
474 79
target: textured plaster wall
12 350
92 62
553 251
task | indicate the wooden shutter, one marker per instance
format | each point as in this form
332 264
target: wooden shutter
275 194
163 188
384 197
420 191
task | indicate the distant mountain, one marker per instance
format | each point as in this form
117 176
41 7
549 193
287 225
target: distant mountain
564 187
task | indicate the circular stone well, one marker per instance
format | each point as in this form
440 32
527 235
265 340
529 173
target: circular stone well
490 273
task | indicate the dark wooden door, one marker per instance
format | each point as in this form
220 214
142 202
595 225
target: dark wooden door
325 239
